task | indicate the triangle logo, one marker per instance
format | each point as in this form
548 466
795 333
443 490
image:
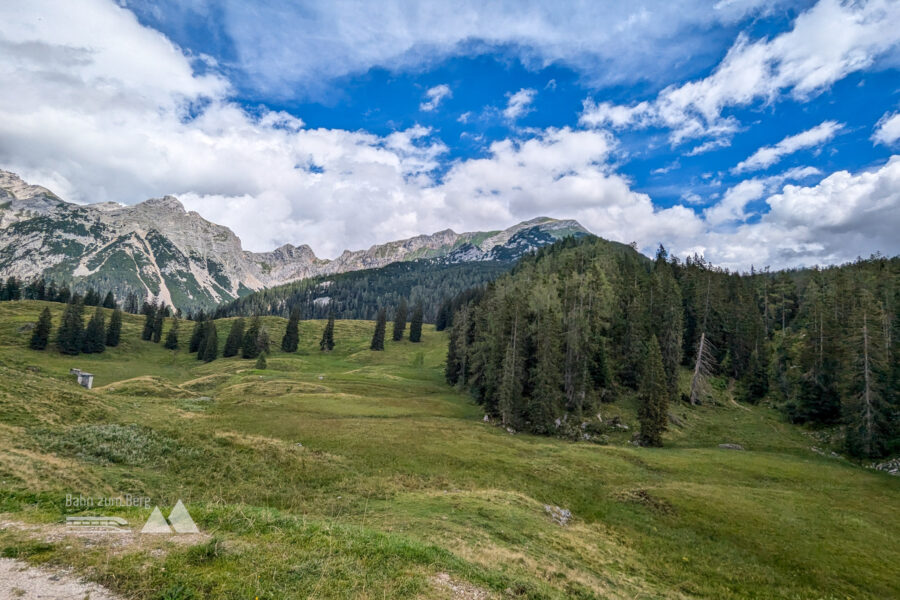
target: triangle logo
181 521
156 523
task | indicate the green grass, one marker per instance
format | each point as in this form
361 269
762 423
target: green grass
361 475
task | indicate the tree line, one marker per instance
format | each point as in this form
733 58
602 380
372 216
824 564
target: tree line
360 294
399 328
14 288
578 323
72 336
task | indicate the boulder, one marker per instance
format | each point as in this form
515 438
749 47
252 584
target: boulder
731 446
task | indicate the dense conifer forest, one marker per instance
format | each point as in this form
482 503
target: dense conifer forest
581 323
360 294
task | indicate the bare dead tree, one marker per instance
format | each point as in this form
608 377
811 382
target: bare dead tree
705 362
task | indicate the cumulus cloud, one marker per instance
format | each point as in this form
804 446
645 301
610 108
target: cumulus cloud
434 96
281 48
519 104
827 42
115 111
887 130
769 155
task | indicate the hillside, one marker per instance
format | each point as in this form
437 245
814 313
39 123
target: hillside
575 325
363 475
158 249
432 282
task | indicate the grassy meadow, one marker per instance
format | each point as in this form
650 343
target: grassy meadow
359 474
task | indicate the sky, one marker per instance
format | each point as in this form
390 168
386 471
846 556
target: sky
751 132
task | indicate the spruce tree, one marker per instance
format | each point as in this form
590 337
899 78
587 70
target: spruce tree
415 324
291 335
400 321
261 361
172 336
94 340
158 320
13 289
149 311
327 343
41 335
546 377
210 342
380 326
868 408
263 342
235 338
91 297
114 329
250 344
197 334
452 365
71 329
653 397
667 319
442 321
110 300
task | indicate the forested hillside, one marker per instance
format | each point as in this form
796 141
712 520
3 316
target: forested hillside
577 325
360 294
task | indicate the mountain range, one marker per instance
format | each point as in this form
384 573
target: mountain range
158 249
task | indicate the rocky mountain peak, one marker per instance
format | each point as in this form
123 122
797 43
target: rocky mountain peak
170 203
156 248
15 187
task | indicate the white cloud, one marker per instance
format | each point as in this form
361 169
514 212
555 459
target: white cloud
827 42
434 96
709 146
887 130
282 48
769 155
519 104
734 201
114 112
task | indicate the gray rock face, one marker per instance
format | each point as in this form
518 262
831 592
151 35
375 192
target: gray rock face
158 249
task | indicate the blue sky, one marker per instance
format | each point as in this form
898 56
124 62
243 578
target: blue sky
750 131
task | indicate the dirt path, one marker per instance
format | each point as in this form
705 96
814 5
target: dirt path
20 580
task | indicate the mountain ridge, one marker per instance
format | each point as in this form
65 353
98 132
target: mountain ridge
157 248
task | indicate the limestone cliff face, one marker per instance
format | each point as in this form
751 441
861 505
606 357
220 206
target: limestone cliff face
157 248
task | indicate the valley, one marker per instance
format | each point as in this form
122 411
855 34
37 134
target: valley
360 474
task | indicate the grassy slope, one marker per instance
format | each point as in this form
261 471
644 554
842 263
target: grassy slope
397 479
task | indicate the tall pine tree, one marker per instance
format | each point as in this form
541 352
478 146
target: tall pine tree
158 320
211 342
149 310
291 335
327 342
653 397
415 324
235 338
41 334
71 329
110 300
114 329
868 407
380 327
94 338
197 333
400 321
172 337
250 344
